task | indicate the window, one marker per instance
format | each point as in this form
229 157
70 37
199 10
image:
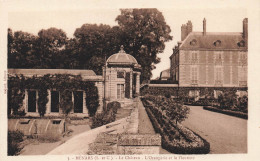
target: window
241 43
217 43
243 76
218 76
120 74
193 42
218 58
78 101
55 100
194 75
32 101
243 58
120 91
194 57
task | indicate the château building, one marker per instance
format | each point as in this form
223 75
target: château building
210 59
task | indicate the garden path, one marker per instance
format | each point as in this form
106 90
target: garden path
226 134
37 148
145 126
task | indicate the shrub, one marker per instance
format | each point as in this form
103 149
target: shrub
92 98
243 104
66 103
42 101
113 105
107 116
14 142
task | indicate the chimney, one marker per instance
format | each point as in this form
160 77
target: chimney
245 30
204 27
183 32
189 27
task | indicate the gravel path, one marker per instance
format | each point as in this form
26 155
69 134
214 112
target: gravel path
145 126
226 134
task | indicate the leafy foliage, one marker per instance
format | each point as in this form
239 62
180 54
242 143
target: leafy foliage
170 108
63 83
66 103
16 95
42 101
175 137
107 116
144 32
14 140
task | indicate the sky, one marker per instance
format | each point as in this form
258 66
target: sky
31 19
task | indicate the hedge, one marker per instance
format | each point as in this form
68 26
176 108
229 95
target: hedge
227 112
188 143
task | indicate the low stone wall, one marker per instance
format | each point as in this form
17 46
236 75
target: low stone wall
138 144
32 127
119 137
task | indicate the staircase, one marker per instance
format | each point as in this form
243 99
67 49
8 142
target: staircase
125 103
126 107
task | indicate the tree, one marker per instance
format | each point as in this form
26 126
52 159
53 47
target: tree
94 42
51 43
144 33
176 111
21 50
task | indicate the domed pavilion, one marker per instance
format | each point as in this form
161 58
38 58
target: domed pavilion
122 81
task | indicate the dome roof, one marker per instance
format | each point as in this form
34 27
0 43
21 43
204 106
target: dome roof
122 58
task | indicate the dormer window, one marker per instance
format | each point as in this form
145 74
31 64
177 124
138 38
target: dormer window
241 43
217 43
193 42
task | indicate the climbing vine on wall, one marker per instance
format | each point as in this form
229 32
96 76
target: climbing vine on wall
60 82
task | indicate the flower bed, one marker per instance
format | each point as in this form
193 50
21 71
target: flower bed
175 138
227 112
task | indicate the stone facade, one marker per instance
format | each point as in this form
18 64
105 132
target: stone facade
205 59
122 81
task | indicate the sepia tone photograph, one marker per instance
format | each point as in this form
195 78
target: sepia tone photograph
128 83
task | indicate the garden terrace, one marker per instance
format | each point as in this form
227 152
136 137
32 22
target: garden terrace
175 138
233 99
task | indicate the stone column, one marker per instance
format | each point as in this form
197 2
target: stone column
37 97
100 87
138 83
48 105
85 110
25 100
131 83
72 99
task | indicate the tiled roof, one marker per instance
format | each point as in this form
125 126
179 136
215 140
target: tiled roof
51 71
228 41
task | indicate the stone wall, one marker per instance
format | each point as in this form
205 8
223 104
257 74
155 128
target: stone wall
213 68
